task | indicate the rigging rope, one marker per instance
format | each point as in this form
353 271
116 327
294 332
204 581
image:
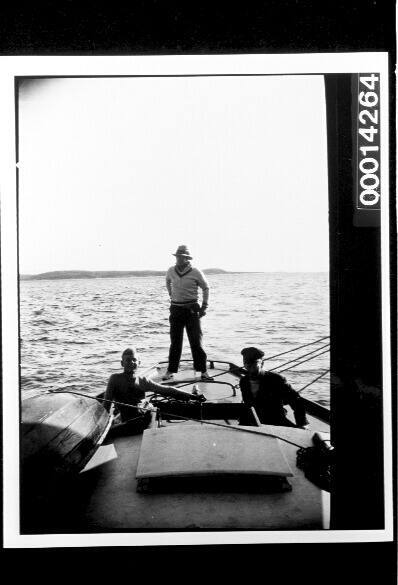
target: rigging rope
207 422
321 376
299 357
303 362
196 381
280 365
235 428
265 359
295 363
295 348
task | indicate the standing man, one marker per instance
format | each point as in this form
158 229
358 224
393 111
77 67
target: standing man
268 392
183 282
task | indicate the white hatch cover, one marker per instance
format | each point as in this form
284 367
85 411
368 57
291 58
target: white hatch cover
200 450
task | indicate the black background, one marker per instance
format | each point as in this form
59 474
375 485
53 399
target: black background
171 27
192 27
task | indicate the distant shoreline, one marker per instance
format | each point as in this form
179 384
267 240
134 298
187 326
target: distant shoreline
69 274
90 274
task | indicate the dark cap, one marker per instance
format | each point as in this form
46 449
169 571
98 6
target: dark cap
251 354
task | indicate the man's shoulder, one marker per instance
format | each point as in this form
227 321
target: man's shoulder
140 380
264 376
272 377
277 381
270 374
197 272
244 381
116 377
146 384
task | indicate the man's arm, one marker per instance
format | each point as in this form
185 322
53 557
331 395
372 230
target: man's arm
168 283
294 400
244 385
109 393
204 285
246 417
150 386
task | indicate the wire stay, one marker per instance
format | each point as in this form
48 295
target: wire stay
296 348
315 380
303 361
299 357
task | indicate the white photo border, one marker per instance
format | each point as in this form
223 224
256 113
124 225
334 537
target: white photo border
256 64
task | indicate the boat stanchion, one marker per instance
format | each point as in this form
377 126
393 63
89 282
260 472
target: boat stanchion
255 416
159 417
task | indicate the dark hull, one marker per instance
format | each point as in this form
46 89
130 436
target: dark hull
59 433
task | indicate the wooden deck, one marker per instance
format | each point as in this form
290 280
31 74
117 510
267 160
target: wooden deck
114 504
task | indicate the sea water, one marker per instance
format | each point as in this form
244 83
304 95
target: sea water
72 331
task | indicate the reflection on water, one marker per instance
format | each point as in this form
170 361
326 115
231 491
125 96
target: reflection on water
73 331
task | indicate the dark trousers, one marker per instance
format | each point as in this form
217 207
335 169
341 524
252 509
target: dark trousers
134 426
188 318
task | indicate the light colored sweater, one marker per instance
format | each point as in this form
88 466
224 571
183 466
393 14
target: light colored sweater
184 289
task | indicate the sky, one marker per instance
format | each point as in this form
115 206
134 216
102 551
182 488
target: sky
116 173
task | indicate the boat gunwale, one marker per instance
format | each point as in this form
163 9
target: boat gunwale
313 408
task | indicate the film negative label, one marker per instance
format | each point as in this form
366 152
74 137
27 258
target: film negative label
368 188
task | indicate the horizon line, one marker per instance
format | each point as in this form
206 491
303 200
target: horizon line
223 270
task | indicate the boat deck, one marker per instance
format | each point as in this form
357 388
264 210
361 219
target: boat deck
223 394
114 504
224 388
107 496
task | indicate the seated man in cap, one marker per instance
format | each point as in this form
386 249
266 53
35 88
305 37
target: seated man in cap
183 282
268 392
127 390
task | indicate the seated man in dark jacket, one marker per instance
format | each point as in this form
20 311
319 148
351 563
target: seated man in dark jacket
268 392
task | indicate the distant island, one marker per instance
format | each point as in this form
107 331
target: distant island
65 274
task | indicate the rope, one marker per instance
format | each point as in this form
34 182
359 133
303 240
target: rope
295 348
129 420
303 362
208 382
197 380
97 398
207 422
299 358
232 427
321 376
166 398
265 359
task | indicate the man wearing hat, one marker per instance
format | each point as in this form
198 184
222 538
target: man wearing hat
183 282
268 392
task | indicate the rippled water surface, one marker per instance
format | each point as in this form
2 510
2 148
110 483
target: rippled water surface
73 331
